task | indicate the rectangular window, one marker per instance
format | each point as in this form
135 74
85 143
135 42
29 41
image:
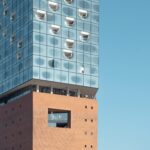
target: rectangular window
59 118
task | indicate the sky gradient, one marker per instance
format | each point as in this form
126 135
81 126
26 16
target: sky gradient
124 94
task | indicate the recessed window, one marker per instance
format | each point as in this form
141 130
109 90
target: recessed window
20 133
69 1
69 43
40 14
5 137
83 13
5 12
20 146
55 29
20 44
20 119
59 118
60 91
44 89
84 36
13 38
18 55
69 21
68 54
53 6
4 3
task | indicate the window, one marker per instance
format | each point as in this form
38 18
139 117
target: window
45 89
13 16
68 53
53 6
55 29
4 3
59 118
18 55
69 43
83 13
60 91
13 38
5 13
84 36
40 14
69 21
20 44
69 1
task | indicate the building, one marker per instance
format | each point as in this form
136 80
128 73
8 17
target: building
49 55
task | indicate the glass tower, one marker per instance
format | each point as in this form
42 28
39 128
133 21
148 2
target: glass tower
49 41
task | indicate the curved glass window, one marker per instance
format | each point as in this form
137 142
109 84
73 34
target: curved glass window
68 54
13 38
55 29
83 13
13 16
4 3
18 55
84 36
69 43
5 13
40 14
20 44
53 6
69 21
69 1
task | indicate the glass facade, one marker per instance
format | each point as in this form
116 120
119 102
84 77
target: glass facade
15 43
52 40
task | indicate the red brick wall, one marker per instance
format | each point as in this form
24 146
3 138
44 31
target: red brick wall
16 125
83 132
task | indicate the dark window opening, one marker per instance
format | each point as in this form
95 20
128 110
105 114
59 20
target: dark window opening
59 118
60 91
73 93
45 89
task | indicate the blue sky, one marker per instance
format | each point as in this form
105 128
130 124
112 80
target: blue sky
124 94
